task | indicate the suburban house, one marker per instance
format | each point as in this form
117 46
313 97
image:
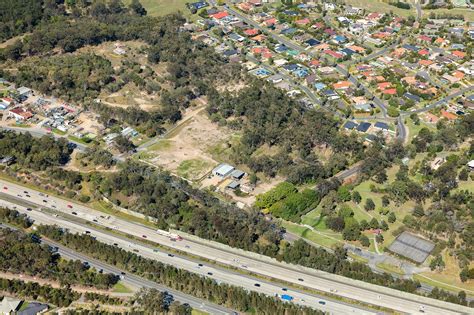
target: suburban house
20 113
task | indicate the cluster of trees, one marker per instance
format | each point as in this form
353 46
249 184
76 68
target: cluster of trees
34 153
96 156
174 202
70 77
152 301
401 5
22 254
286 202
20 16
61 297
13 217
190 283
267 116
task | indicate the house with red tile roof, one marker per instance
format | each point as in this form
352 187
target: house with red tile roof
424 38
314 63
425 63
384 85
317 25
459 54
270 22
302 22
245 6
389 91
357 49
251 32
341 85
424 52
219 15
448 115
333 54
399 52
259 38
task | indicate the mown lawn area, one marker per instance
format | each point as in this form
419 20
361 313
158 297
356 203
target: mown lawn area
163 7
119 287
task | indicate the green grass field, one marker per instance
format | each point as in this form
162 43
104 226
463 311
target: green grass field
119 287
163 7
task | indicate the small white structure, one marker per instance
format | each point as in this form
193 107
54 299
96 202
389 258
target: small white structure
471 165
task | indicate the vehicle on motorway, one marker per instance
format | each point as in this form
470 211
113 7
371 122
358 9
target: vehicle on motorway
115 244
75 213
28 196
300 279
53 206
87 232
200 265
144 236
257 285
5 187
136 250
95 220
284 289
155 250
170 255
322 302
101 270
25 192
286 297
209 273
45 200
29 209
69 206
18 195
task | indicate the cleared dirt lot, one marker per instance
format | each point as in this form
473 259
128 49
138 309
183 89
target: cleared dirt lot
184 151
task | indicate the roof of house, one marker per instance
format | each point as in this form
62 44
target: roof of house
412 97
220 15
251 32
313 42
350 125
333 53
364 126
381 125
237 173
9 305
459 54
341 85
223 169
390 91
448 115
233 185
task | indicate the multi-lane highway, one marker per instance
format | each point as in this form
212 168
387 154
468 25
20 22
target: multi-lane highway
137 282
219 274
312 279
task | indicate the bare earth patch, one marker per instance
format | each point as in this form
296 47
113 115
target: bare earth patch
185 151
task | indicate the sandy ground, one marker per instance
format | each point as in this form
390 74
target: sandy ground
188 145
